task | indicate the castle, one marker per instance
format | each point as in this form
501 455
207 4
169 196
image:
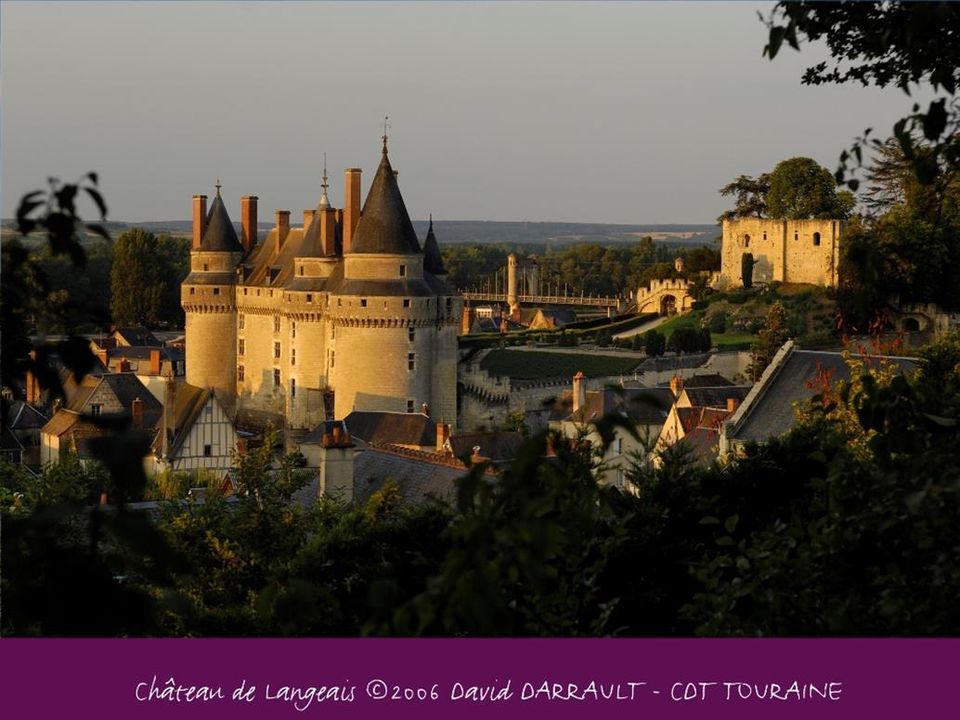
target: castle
795 251
345 313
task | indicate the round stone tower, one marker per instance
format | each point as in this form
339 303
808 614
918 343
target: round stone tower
209 300
394 319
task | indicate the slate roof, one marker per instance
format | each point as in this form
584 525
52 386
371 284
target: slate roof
432 259
384 225
392 427
419 480
126 388
712 380
219 234
494 446
771 412
716 397
26 417
136 336
646 406
189 401
703 442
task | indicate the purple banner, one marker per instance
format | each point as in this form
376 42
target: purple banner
379 678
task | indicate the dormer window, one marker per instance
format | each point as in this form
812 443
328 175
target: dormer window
216 291
363 302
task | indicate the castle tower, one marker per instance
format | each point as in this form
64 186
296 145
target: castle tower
394 319
208 299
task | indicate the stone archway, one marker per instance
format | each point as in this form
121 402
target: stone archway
910 324
668 305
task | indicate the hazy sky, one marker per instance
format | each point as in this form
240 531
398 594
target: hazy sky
619 112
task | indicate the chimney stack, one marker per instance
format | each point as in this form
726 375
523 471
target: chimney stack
307 219
676 385
732 404
248 221
199 220
136 410
169 415
124 365
154 362
283 226
351 206
443 435
328 231
579 391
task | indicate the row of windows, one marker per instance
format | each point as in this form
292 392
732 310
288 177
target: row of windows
746 243
193 291
406 303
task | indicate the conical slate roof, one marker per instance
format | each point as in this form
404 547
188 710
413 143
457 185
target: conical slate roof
384 225
220 235
432 260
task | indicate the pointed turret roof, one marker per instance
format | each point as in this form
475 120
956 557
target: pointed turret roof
220 235
432 260
384 225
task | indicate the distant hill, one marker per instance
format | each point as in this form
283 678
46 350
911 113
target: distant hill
455 232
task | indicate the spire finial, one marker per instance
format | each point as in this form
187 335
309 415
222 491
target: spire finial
431 223
324 200
385 126
218 186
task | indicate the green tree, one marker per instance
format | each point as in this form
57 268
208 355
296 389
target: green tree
772 336
800 188
751 197
145 278
654 343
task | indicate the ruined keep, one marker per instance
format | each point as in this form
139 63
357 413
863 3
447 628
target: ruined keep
794 251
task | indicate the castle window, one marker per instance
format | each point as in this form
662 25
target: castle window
258 292
216 291
764 234
363 302
205 267
293 356
409 406
796 236
193 291
816 238
406 302
240 347
301 271
746 240
333 357
276 323
245 291
293 328
293 388
411 361
339 302
410 333
403 271
309 298
96 409
333 332
276 350
276 377
207 450
449 303
239 373
241 321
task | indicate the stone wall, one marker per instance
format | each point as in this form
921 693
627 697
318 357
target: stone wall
795 251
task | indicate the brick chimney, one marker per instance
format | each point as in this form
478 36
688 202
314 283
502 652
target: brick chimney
34 391
154 362
579 391
469 313
199 219
351 206
102 356
248 221
676 385
136 411
283 226
443 435
307 219
124 365
169 415
732 404
328 231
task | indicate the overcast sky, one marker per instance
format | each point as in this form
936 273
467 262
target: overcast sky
619 112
